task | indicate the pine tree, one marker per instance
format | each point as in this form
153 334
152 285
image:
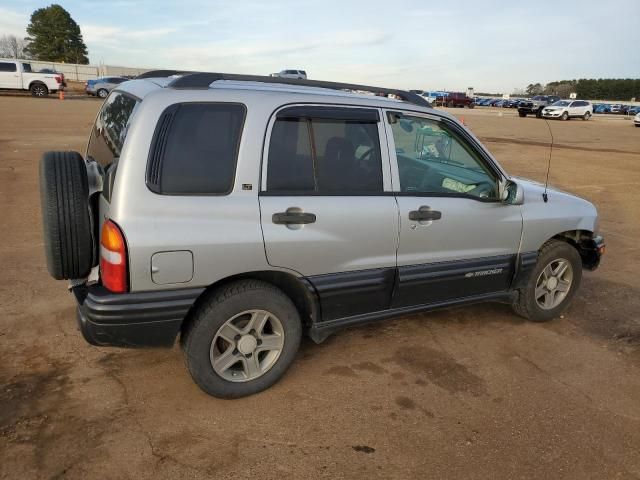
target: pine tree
55 37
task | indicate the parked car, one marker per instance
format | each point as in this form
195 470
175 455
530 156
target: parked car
511 103
602 108
455 99
633 110
215 211
18 75
102 86
536 104
636 120
299 74
566 109
616 108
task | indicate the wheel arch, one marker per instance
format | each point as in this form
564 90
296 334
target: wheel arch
37 82
298 289
585 242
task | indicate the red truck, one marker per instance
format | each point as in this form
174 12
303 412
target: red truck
455 99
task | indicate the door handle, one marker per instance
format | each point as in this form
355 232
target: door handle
293 218
425 214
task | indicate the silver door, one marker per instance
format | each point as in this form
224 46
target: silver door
325 222
456 238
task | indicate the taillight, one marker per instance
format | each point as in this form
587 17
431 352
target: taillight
113 258
58 79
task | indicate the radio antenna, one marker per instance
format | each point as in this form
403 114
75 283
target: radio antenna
546 182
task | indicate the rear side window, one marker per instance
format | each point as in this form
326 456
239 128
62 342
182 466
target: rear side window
7 67
195 149
110 130
325 151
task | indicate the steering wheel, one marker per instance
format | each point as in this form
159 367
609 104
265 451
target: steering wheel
367 153
483 190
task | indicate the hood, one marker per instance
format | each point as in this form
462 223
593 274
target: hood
553 107
533 192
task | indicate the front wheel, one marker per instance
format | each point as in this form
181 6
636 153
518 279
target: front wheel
242 339
565 116
539 113
553 283
102 93
522 114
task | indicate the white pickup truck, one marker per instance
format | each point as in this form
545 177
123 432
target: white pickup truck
17 75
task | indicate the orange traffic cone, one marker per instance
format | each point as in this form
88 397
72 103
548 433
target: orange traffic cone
61 94
462 120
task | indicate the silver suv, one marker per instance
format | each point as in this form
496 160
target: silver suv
239 212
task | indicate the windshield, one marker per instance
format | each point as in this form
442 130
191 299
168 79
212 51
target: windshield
539 97
561 103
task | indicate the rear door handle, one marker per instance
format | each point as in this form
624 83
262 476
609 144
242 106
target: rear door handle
424 214
293 218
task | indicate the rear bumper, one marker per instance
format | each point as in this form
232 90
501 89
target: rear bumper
142 319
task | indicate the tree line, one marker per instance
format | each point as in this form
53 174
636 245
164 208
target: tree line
590 88
53 36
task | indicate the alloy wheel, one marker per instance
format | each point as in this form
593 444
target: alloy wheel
554 283
247 346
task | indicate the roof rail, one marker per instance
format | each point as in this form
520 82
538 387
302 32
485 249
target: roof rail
192 80
161 73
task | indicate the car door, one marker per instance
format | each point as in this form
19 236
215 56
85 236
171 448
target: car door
9 75
327 210
574 109
457 239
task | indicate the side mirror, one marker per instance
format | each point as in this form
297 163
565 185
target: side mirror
513 193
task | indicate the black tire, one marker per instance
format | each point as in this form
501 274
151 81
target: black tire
586 116
526 305
564 116
522 114
39 89
213 313
102 93
451 105
539 113
66 224
472 105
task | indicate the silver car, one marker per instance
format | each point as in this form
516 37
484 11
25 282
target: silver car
102 86
240 212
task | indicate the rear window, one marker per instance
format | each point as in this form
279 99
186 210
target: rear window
195 149
325 151
7 67
110 130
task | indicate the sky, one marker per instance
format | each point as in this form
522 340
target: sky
491 45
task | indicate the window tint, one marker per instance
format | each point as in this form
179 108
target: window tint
7 67
200 149
433 159
26 67
324 155
110 129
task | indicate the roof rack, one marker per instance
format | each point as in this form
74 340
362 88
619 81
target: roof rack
192 80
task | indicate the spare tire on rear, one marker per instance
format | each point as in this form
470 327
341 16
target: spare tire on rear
64 197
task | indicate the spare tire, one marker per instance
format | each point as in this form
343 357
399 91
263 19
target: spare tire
64 197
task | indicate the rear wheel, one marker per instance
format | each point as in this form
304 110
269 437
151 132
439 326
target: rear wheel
539 113
39 89
242 339
522 114
451 105
586 116
553 283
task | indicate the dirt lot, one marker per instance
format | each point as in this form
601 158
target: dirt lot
463 393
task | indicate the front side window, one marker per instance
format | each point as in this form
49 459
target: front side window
432 159
325 155
26 67
195 149
110 130
7 67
